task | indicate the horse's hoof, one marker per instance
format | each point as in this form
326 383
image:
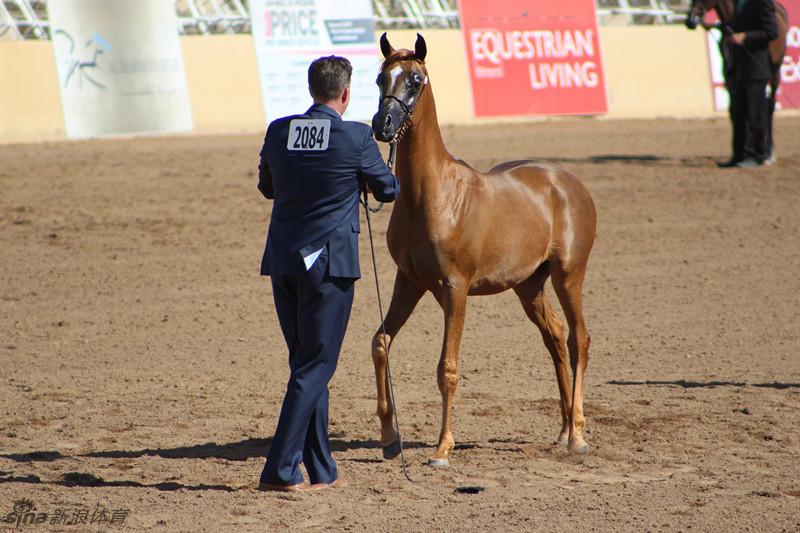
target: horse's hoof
562 440
438 462
579 447
390 451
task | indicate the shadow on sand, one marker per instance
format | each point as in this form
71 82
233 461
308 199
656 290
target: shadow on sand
695 384
233 451
641 159
85 479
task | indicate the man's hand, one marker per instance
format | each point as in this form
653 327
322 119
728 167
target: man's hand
736 38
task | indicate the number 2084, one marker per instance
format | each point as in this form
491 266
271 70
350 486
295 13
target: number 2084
308 135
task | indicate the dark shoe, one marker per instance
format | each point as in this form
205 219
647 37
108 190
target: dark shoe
300 487
730 163
749 163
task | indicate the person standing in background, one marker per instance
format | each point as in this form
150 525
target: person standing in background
753 27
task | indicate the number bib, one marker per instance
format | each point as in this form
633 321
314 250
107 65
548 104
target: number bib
311 134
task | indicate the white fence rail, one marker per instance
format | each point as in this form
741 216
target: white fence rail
27 19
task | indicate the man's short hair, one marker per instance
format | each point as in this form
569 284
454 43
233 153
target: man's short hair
328 77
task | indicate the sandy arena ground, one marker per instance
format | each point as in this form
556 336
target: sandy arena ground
143 366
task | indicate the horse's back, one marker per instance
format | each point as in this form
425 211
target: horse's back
531 169
506 166
539 173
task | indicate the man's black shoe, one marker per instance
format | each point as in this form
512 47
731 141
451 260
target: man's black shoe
730 163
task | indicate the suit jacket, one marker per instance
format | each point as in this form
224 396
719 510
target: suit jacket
316 191
757 20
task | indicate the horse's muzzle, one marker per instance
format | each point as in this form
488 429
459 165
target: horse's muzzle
382 127
387 121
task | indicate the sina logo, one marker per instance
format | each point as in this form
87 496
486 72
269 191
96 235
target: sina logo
23 506
24 513
82 61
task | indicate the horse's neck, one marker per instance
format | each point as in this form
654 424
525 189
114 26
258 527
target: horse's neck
725 10
421 155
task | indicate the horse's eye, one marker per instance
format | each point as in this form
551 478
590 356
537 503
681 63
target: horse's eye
415 80
379 79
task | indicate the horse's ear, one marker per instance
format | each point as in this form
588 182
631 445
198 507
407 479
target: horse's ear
420 48
386 48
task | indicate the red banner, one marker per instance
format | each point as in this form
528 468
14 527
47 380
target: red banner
789 91
537 57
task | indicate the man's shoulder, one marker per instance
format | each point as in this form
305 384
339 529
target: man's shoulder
282 122
357 134
356 126
358 131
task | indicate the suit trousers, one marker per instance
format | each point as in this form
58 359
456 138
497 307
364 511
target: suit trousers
313 309
749 108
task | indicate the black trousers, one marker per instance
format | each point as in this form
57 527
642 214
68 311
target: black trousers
313 310
749 109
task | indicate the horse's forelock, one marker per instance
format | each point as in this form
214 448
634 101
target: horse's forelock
399 55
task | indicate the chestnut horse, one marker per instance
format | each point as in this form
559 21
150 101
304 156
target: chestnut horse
726 10
455 231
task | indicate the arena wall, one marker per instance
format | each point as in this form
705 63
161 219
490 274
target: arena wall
650 72
656 72
223 83
30 103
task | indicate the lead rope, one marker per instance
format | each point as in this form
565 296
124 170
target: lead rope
367 210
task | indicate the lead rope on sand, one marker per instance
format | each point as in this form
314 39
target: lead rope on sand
367 210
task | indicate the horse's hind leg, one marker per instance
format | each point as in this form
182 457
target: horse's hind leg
404 299
568 286
532 296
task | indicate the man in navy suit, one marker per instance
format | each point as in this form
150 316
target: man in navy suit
314 166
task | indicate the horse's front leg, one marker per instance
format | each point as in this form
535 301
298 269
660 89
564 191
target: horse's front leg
404 298
453 299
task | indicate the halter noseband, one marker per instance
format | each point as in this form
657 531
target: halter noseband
408 111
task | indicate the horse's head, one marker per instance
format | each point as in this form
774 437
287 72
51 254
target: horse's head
402 81
697 11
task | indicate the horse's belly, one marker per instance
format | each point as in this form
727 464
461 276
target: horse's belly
421 261
508 271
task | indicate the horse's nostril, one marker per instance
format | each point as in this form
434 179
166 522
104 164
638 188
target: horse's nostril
388 121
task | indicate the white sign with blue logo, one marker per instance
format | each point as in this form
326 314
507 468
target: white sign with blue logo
120 67
290 34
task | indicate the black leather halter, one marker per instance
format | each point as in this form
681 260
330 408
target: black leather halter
408 110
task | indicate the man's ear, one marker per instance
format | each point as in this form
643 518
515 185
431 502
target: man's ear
346 95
